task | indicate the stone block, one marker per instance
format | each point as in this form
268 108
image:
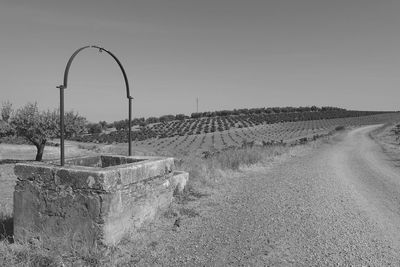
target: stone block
96 200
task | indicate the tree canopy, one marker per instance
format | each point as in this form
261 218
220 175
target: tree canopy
6 111
40 126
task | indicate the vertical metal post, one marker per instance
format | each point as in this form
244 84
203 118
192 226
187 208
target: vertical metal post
62 124
130 128
64 86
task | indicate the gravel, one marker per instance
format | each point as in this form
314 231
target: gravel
337 204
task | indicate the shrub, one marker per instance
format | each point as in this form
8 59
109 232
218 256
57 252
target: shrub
94 128
6 111
233 158
180 117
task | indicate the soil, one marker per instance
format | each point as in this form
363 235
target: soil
332 205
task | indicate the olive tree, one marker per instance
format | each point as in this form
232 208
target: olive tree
6 111
5 129
40 126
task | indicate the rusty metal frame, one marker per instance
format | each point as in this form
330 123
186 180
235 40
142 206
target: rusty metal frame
64 86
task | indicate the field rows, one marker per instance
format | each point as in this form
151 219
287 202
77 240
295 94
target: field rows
204 125
197 143
278 132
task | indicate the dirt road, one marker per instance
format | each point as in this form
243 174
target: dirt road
336 205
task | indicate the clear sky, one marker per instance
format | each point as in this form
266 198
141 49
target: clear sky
229 53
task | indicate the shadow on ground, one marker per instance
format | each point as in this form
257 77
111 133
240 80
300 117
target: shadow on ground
13 161
7 229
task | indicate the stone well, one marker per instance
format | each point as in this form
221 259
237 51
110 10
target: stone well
96 200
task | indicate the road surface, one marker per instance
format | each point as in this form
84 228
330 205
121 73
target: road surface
336 205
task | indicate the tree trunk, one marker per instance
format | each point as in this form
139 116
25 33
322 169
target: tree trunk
40 149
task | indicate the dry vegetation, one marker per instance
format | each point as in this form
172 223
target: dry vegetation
204 176
206 173
388 137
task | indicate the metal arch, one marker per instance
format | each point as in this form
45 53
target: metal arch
66 72
64 86
128 95
69 65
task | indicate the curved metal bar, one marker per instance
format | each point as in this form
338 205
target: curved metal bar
128 95
69 64
64 86
66 72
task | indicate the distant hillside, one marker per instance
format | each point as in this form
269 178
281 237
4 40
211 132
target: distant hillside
123 124
209 122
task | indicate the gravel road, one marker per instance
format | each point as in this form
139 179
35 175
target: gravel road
338 204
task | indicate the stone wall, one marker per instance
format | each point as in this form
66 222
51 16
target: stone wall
92 204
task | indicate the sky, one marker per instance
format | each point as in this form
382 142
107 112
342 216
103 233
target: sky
227 53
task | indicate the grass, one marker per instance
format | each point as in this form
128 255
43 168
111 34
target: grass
206 170
189 193
21 254
44 251
204 175
189 212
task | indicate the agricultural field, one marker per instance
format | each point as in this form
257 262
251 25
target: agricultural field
263 134
203 172
188 143
203 125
